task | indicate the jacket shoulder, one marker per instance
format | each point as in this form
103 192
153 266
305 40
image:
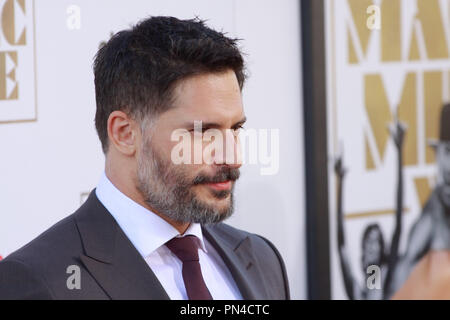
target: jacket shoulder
19 281
30 272
52 242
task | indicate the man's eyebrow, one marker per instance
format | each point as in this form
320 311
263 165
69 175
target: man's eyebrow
215 124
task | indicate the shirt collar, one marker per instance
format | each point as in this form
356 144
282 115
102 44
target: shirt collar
145 229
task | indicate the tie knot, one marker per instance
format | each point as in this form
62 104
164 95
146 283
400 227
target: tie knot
185 248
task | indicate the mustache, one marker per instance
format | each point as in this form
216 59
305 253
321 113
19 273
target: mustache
224 174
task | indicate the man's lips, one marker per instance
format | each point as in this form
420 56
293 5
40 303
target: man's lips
225 185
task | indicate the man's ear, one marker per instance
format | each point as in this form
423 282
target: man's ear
122 133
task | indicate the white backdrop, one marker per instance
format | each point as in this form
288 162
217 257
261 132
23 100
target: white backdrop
50 153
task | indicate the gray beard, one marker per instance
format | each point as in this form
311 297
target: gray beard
167 189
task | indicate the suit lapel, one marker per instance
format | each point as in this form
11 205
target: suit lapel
238 256
111 258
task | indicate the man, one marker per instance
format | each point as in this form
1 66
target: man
152 229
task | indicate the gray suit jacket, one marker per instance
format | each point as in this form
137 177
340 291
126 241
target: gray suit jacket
111 268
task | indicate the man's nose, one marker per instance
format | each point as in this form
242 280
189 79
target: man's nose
230 154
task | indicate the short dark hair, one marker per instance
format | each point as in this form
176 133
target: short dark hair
137 69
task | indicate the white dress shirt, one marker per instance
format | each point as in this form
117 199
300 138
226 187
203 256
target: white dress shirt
148 233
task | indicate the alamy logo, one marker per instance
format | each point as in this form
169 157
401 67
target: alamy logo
249 146
74 280
374 277
374 18
73 21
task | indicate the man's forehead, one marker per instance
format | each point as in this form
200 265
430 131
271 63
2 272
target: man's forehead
212 111
210 97
215 122
208 87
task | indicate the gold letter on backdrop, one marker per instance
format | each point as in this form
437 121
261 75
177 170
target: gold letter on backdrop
8 64
380 115
10 24
390 29
429 16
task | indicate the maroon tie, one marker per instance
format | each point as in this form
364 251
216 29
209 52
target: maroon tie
186 249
